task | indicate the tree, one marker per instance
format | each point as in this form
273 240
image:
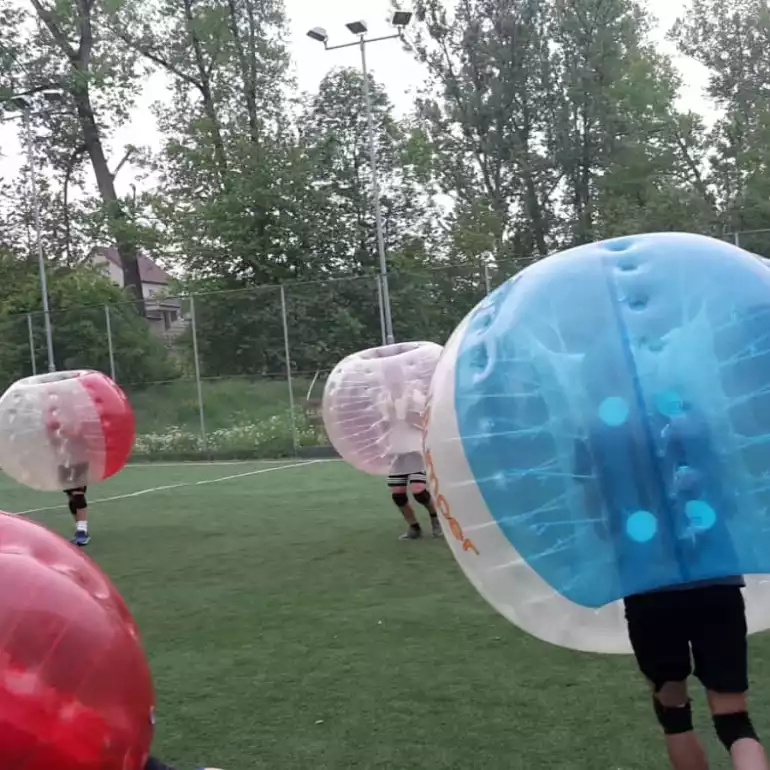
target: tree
78 298
731 41
553 123
489 115
70 51
232 188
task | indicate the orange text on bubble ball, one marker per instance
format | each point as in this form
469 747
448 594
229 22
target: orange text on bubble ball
442 504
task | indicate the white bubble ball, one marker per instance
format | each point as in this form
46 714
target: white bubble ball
64 429
374 404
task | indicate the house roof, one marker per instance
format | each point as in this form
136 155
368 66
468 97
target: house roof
148 270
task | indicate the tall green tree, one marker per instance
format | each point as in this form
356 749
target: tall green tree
232 192
730 39
71 50
554 123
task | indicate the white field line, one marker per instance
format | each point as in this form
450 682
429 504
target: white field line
181 484
201 463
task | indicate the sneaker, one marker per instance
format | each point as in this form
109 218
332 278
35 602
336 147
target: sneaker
411 534
81 539
436 530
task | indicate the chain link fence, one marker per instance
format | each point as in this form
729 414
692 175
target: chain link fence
240 374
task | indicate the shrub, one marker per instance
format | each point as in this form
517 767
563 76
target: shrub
268 438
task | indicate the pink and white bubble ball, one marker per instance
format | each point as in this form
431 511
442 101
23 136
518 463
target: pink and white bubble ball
64 429
374 403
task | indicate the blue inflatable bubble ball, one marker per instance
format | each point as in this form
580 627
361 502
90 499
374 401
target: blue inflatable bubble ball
612 404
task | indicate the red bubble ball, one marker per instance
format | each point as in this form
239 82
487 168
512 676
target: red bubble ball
75 687
65 429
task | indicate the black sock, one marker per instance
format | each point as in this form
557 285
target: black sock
433 516
416 527
156 764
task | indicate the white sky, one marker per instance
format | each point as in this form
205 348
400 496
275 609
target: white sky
388 62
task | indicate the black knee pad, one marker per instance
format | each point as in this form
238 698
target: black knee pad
674 719
401 499
733 727
423 498
77 502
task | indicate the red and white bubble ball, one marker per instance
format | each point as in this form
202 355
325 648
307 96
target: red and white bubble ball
64 429
75 688
374 403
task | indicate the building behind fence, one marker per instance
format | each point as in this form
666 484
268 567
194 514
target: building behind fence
240 374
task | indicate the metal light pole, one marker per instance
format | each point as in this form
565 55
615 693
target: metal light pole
23 104
27 120
400 20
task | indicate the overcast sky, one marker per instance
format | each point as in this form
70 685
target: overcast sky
389 64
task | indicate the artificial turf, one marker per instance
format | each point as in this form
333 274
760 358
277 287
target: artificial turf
288 628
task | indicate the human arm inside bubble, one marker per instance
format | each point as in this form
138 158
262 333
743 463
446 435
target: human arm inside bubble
583 471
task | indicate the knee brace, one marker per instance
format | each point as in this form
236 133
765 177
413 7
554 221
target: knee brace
401 499
674 719
77 502
423 498
732 727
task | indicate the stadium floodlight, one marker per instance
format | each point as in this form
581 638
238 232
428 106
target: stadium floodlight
401 19
319 34
357 27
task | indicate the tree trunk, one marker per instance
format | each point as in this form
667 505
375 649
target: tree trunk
80 60
120 229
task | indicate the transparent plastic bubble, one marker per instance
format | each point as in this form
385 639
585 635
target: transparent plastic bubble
64 429
599 426
75 687
374 403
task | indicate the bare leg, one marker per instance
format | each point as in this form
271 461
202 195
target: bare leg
423 497
685 751
401 499
745 753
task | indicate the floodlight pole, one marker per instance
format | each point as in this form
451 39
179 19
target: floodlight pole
26 119
387 332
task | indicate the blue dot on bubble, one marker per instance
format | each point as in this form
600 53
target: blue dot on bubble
669 403
613 411
641 526
701 515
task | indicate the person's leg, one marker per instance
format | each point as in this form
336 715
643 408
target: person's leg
721 663
658 635
417 484
78 506
397 486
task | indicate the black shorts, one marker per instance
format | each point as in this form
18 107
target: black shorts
76 491
403 480
671 630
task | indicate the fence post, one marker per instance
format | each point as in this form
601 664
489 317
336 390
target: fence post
381 304
287 350
487 279
110 349
198 384
737 239
31 343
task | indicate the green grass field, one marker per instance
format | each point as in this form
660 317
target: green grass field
289 629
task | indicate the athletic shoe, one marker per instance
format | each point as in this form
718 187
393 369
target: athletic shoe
411 534
436 529
81 539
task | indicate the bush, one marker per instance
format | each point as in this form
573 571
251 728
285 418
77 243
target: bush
78 297
267 438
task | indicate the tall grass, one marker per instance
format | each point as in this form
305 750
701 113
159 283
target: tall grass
243 418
